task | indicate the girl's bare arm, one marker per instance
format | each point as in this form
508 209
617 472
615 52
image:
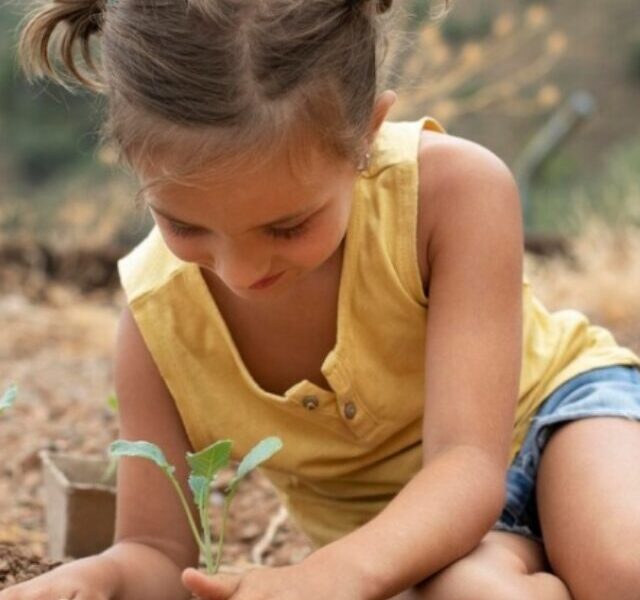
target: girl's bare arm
470 210
153 542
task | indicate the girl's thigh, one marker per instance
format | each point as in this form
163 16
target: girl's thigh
588 495
603 392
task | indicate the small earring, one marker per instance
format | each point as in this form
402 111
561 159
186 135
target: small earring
364 164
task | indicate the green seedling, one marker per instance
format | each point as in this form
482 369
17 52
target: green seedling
8 398
205 466
112 403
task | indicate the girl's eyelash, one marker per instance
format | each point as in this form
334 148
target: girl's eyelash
290 232
283 233
182 230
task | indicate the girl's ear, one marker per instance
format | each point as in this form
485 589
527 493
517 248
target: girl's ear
381 109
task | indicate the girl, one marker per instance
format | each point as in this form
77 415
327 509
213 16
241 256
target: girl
355 287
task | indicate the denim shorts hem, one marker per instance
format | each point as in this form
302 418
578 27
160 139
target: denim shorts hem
612 391
544 432
544 425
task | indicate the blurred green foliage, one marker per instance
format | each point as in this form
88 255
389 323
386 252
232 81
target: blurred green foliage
47 133
459 28
564 195
48 136
634 58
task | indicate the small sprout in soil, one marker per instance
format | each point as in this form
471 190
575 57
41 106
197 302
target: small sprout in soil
113 405
205 466
112 402
8 398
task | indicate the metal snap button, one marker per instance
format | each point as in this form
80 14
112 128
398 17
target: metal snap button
350 410
310 402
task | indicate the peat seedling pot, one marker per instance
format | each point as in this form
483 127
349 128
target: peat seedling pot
80 507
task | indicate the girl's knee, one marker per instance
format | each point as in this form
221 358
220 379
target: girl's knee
471 579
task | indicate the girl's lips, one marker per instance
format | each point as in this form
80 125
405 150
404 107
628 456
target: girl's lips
266 282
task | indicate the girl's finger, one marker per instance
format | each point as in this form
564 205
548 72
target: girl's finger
210 587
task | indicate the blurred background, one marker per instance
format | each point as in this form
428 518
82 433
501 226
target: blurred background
551 86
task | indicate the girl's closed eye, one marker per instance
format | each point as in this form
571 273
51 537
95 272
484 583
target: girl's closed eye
182 230
289 233
277 232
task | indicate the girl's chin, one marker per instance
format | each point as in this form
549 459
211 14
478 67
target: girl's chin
266 289
289 281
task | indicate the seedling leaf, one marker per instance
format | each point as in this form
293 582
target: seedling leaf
112 403
200 487
206 463
141 450
8 398
260 453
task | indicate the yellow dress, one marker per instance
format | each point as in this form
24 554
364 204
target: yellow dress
349 449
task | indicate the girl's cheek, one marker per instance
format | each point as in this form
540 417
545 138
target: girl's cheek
187 250
316 247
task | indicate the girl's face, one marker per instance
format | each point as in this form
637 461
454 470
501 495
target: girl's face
262 232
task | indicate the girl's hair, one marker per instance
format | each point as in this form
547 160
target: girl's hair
212 81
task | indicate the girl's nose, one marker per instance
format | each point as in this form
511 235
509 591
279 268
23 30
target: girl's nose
240 267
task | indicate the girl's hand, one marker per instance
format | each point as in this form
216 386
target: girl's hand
90 578
297 582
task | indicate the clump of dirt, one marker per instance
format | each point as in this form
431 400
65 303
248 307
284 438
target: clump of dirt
17 566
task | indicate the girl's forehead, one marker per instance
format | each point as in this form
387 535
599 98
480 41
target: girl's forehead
296 151
239 199
292 171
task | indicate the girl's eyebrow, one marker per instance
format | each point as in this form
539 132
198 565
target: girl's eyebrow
280 221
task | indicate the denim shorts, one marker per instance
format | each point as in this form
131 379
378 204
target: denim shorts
603 392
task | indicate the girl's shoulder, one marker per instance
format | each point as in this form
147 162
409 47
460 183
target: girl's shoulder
463 188
148 266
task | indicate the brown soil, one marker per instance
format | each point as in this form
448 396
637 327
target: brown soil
17 566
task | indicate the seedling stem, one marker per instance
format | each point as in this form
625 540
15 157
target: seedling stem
205 466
